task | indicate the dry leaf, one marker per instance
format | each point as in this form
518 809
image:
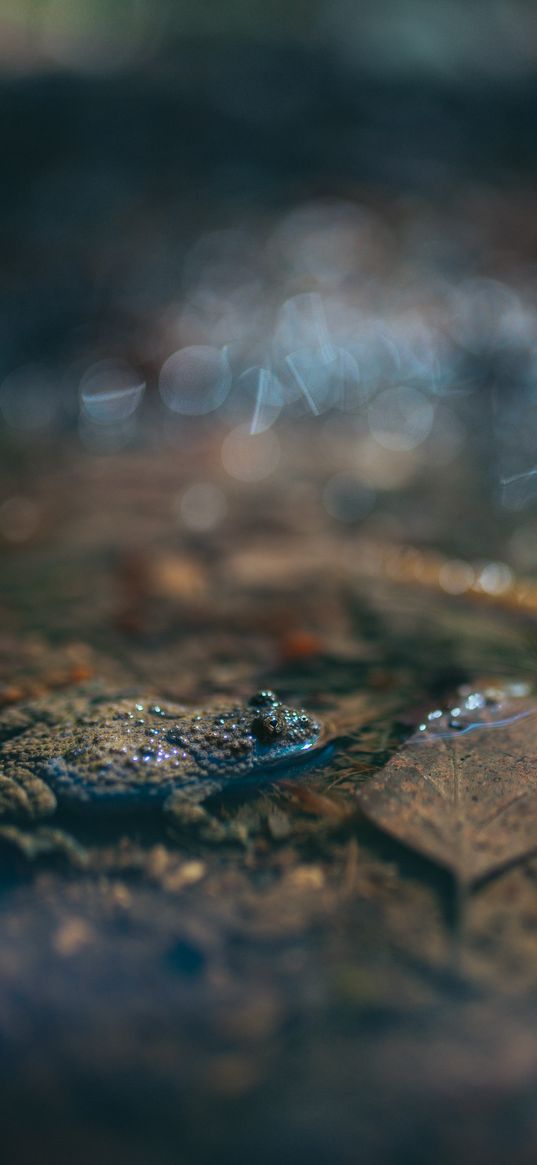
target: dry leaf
463 790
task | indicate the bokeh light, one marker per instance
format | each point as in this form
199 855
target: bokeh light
110 391
250 457
400 418
266 393
201 506
195 380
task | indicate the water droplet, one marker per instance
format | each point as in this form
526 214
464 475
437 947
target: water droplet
478 711
518 689
474 700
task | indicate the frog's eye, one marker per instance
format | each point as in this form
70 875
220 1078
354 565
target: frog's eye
264 699
268 727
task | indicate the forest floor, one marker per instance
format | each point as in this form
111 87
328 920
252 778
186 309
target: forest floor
313 990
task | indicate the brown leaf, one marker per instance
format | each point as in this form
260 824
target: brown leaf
463 790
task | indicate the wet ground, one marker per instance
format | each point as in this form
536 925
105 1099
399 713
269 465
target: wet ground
303 989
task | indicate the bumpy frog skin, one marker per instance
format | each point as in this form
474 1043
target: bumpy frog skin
92 752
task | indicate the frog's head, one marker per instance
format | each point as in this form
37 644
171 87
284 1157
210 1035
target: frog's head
279 732
246 739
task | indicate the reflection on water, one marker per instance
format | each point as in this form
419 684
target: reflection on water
494 707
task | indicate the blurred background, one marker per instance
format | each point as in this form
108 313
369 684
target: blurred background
304 232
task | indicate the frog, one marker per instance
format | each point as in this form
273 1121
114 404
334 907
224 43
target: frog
95 752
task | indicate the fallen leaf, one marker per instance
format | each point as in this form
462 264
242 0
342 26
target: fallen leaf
463 790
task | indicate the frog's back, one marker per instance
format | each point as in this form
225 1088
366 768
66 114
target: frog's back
136 750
